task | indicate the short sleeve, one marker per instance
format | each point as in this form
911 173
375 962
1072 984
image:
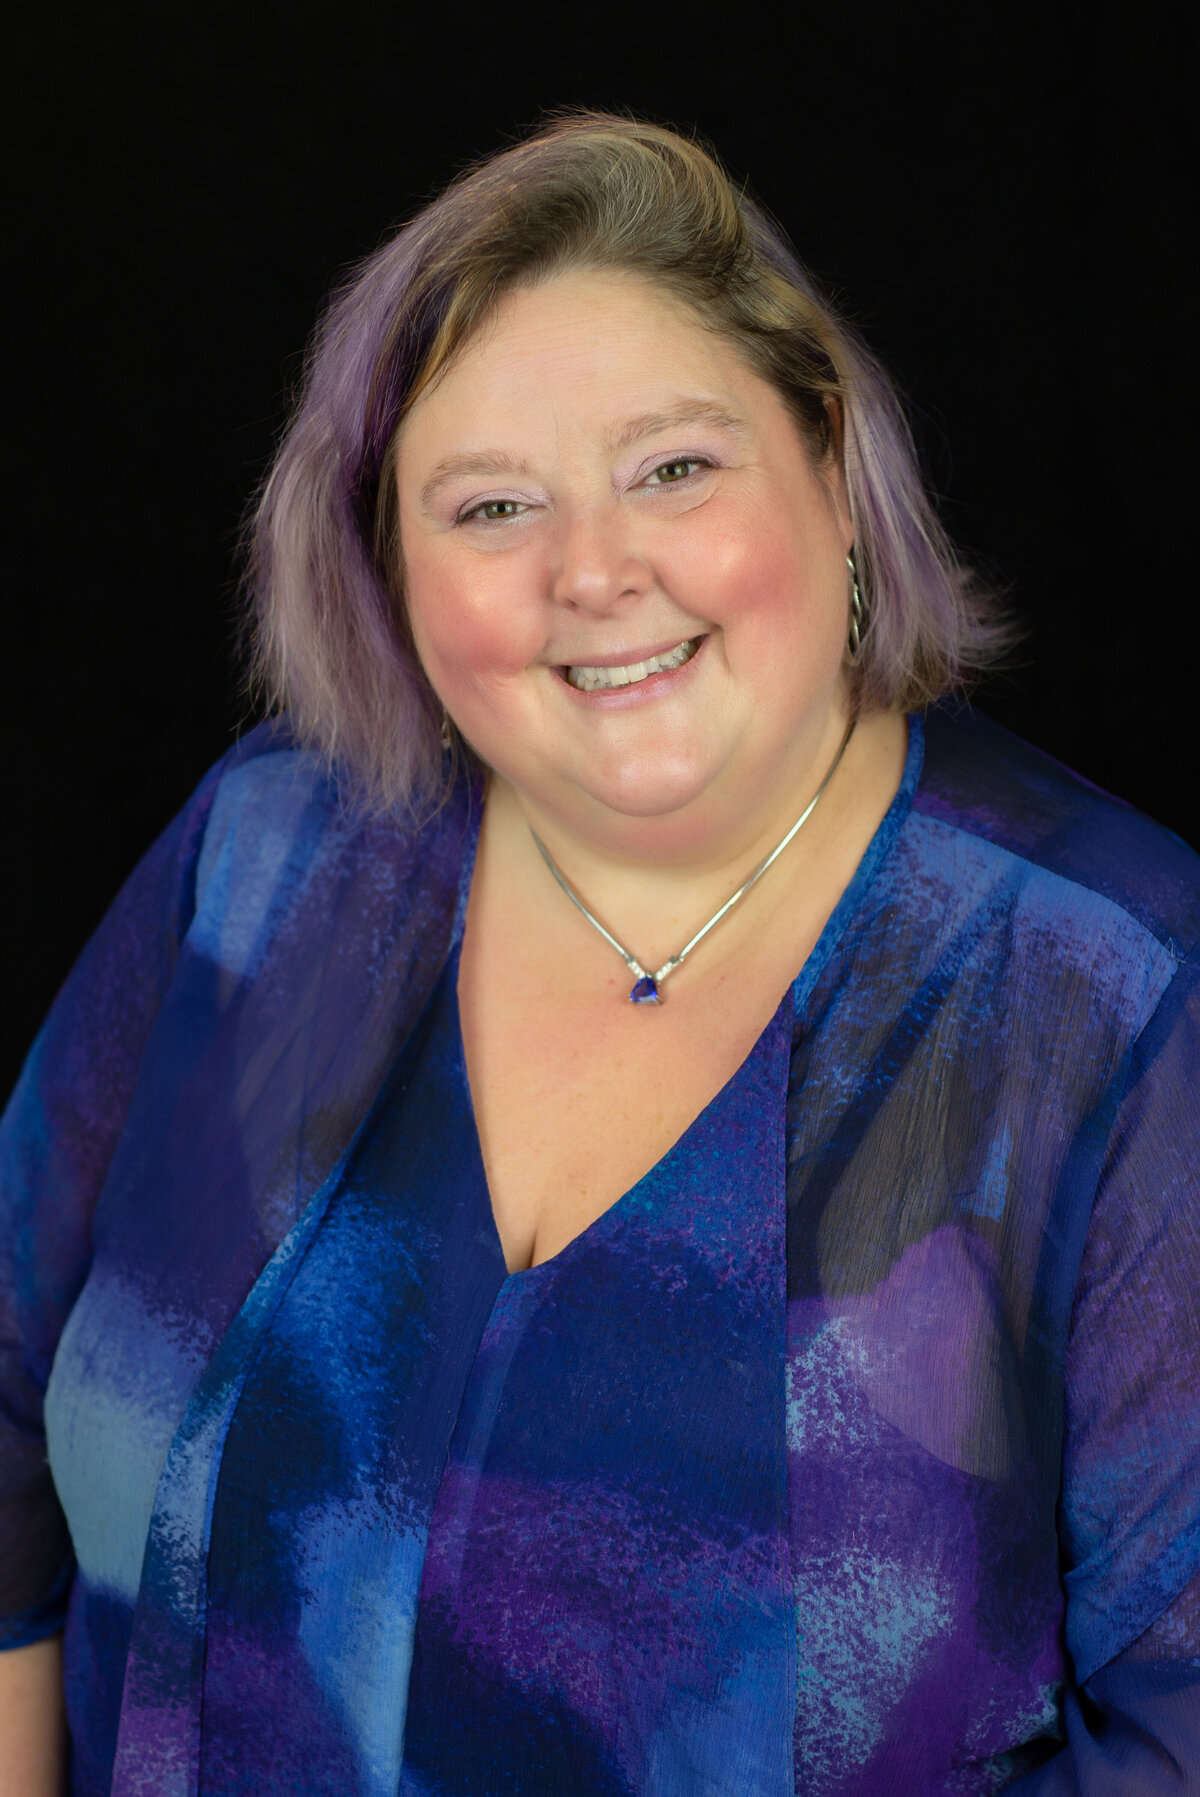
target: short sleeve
57 1137
1131 1474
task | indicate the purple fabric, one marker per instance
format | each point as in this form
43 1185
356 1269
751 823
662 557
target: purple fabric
315 1542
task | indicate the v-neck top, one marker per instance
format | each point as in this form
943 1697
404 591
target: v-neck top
541 1469
855 1450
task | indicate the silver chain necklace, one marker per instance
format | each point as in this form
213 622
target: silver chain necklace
645 988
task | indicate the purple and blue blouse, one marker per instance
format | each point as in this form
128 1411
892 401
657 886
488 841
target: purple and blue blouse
854 1451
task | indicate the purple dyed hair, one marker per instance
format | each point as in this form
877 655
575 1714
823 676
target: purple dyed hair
326 623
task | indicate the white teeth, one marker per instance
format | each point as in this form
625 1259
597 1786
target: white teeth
588 680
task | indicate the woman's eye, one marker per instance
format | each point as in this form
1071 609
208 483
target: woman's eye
493 511
669 473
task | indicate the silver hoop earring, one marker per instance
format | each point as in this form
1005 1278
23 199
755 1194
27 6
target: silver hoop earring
854 638
444 732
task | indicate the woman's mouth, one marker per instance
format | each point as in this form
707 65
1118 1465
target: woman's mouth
592 680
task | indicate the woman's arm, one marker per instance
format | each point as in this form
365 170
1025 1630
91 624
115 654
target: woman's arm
57 1136
33 1732
1130 1505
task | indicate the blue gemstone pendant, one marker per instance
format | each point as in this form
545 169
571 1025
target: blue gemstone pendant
645 992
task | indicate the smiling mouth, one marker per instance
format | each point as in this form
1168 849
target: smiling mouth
594 680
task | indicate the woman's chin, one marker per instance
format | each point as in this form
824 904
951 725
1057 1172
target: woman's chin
622 799
659 795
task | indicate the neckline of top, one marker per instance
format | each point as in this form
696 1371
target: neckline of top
613 1217
863 877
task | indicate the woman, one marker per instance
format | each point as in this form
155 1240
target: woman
460 1378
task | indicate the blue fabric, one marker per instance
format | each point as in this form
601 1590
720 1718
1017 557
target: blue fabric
855 1450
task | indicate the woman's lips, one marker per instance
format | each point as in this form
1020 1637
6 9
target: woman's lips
605 677
648 685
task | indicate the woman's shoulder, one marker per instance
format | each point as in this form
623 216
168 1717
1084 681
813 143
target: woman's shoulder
986 783
283 838
271 789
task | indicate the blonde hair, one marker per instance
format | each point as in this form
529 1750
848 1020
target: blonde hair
328 635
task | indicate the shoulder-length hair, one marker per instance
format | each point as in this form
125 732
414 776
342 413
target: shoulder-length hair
326 627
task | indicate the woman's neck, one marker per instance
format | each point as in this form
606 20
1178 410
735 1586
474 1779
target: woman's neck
653 901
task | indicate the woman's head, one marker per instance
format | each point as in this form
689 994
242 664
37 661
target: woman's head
598 482
590 194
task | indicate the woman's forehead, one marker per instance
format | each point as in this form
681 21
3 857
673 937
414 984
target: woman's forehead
622 354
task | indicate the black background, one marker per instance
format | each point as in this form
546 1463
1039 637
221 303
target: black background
996 197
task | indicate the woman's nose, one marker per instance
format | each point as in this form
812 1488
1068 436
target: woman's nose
598 565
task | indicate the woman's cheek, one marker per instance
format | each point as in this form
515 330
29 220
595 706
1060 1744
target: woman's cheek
751 579
478 624
731 560
780 609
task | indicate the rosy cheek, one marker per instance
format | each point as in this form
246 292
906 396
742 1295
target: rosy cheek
754 579
473 625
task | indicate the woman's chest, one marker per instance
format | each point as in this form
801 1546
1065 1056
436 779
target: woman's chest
578 1096
578 1092
655 1461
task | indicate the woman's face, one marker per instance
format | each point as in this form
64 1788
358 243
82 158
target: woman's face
598 483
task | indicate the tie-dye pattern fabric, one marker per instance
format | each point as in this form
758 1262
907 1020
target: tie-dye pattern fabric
856 1450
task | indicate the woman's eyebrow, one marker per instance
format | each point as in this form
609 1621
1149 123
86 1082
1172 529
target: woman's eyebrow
688 411
472 461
